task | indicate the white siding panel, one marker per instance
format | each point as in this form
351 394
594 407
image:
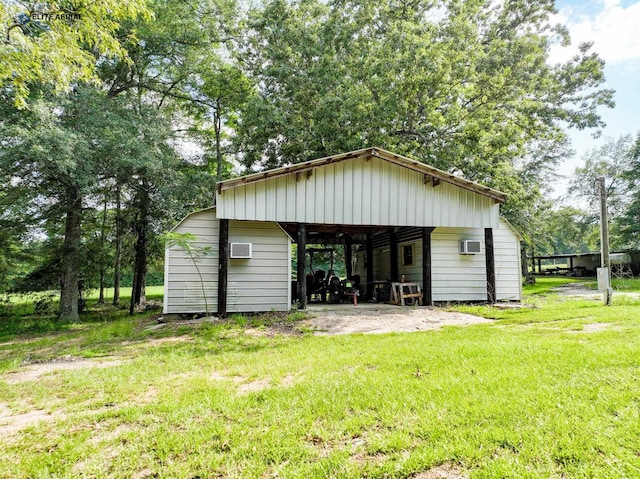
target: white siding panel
457 277
183 286
261 283
359 191
507 257
347 201
319 192
257 284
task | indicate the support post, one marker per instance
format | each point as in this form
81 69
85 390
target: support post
393 255
223 267
605 260
427 284
369 267
491 265
348 257
301 270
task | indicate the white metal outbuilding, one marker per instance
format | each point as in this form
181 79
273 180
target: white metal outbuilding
370 197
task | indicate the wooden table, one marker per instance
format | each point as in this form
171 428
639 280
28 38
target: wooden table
402 291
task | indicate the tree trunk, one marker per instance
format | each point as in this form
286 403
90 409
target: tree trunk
138 299
117 266
218 130
103 236
528 277
101 298
69 295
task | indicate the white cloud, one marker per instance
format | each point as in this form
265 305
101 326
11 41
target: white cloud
614 30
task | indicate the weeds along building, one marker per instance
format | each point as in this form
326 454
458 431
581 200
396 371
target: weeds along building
395 216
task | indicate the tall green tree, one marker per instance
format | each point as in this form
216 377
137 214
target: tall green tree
466 86
629 222
63 149
461 85
56 43
614 161
171 60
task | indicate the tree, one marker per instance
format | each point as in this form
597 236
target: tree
61 150
463 85
226 90
613 160
56 44
629 222
171 60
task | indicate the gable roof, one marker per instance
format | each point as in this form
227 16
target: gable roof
435 174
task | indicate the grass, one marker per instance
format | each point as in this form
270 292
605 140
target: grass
545 285
619 284
538 394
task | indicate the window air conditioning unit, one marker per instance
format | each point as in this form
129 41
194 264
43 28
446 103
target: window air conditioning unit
240 250
469 247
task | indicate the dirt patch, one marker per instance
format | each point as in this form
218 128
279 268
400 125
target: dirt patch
66 363
594 328
580 290
444 471
11 423
254 386
288 381
377 319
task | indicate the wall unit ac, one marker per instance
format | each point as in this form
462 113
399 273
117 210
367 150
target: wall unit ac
469 246
240 250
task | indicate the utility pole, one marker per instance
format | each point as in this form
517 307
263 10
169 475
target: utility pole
605 261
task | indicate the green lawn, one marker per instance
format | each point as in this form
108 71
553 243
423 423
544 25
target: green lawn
548 391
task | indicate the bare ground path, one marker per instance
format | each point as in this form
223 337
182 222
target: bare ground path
579 290
383 318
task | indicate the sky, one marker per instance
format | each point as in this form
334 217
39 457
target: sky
614 28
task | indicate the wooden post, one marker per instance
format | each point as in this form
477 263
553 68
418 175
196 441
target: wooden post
369 267
427 284
491 268
223 267
393 255
348 257
302 259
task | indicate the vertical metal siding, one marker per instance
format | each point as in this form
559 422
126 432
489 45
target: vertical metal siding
358 192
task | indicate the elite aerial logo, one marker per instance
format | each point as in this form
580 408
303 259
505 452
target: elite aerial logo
39 20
